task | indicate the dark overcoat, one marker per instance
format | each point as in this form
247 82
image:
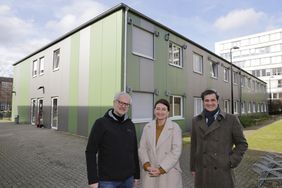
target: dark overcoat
216 150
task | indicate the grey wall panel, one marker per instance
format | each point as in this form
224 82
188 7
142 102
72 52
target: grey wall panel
63 118
146 75
82 121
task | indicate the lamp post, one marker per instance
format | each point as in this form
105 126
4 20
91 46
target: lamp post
231 80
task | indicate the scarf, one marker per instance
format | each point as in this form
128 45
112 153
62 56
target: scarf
209 115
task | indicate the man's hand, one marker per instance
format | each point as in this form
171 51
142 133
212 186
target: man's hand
94 185
136 182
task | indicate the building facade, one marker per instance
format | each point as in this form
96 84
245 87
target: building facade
69 83
6 90
260 55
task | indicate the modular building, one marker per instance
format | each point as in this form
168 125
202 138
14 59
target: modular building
69 83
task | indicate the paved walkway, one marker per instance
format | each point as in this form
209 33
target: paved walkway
34 157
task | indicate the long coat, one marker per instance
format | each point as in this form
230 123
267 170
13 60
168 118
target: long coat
213 155
165 154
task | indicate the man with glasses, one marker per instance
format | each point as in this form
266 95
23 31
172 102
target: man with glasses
113 138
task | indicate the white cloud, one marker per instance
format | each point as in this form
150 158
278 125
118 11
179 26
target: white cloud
237 19
75 14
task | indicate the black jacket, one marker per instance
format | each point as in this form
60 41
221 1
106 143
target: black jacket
116 144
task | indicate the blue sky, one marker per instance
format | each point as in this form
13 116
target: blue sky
28 25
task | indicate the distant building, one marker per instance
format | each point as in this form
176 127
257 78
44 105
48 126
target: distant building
6 88
69 83
259 54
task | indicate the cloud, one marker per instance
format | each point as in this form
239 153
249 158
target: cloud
75 14
12 28
239 19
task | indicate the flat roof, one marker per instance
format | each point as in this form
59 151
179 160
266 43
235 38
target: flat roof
126 7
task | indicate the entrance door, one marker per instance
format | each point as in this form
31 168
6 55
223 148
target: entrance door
54 113
33 111
39 122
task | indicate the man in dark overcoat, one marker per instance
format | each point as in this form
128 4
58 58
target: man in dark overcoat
217 145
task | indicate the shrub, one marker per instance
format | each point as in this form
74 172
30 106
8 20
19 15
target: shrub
255 119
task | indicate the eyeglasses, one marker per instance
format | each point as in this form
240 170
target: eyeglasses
123 103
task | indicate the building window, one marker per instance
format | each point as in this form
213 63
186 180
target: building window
34 68
142 43
254 107
142 108
176 102
41 65
175 54
214 69
226 106
249 107
198 105
243 107
198 63
279 83
236 111
226 74
56 59
236 77
258 107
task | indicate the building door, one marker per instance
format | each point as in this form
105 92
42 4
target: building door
33 111
54 113
39 122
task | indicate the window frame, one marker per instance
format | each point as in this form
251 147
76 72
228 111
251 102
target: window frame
172 110
34 68
196 110
41 65
171 54
201 58
214 69
56 59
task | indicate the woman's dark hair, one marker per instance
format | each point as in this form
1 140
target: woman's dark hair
209 92
164 102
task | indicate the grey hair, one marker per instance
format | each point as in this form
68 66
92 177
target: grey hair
122 93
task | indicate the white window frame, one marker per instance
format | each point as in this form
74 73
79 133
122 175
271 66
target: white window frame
52 115
236 106
198 63
243 111
226 106
226 72
172 107
34 68
249 107
33 111
41 65
175 50
56 59
214 69
198 108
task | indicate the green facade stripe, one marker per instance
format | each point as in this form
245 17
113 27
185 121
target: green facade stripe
105 64
22 96
73 85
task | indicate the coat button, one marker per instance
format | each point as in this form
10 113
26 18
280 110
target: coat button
215 167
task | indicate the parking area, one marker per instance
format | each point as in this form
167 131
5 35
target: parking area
39 157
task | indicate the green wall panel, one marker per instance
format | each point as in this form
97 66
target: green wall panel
105 78
73 85
22 86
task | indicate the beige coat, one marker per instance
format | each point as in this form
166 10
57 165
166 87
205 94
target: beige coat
165 154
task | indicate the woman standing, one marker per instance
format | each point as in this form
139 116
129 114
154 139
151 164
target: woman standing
160 149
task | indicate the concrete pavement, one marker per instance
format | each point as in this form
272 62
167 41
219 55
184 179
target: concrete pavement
39 157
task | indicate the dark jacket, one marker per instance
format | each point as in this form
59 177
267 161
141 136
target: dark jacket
116 144
213 155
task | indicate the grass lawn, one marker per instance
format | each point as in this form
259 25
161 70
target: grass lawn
267 138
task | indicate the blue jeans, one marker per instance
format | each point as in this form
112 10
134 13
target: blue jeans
128 183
